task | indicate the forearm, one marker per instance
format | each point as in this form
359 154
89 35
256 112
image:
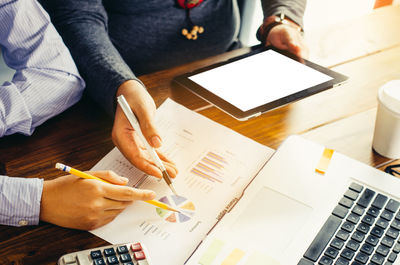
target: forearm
46 81
20 201
83 26
293 9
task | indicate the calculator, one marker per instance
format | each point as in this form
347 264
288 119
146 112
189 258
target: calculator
120 254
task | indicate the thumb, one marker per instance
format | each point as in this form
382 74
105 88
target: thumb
110 176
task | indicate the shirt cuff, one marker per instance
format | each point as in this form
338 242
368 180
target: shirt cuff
20 200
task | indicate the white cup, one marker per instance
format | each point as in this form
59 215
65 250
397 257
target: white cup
387 125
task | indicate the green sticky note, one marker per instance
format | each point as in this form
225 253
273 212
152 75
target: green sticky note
212 252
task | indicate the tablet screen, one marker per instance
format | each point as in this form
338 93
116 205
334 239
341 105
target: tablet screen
255 80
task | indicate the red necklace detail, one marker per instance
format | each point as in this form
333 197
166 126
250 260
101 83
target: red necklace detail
187 5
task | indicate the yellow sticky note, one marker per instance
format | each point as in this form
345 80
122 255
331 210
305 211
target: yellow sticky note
234 257
324 161
258 258
212 252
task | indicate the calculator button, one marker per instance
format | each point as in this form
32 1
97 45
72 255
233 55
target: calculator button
125 257
136 247
109 252
99 262
69 259
128 263
122 249
112 260
139 255
96 254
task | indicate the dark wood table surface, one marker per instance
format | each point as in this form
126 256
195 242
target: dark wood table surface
367 49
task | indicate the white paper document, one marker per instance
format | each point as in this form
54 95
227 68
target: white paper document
215 165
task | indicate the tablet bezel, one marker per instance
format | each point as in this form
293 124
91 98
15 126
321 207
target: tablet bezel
183 80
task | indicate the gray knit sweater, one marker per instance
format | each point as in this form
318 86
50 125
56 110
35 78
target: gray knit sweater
113 41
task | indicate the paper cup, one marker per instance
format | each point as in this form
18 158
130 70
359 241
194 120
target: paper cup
386 140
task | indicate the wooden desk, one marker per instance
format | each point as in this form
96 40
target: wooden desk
367 50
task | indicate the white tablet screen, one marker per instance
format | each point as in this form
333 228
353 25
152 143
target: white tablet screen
259 79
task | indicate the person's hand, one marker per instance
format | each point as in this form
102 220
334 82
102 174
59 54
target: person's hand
285 36
87 204
125 138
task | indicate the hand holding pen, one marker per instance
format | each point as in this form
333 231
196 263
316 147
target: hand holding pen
128 141
151 151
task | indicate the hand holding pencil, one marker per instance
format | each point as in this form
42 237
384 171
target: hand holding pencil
78 203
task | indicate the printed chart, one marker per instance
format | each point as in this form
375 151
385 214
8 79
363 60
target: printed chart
211 167
186 208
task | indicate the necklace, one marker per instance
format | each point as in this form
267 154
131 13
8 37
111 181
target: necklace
193 33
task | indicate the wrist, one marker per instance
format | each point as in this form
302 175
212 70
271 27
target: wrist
273 21
129 86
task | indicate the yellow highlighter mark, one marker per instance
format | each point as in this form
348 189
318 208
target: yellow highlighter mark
324 161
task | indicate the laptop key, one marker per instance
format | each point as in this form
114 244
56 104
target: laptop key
379 201
347 226
353 245
367 249
337 243
383 250
387 241
372 240
377 231
331 252
340 211
366 198
343 235
377 259
395 224
396 248
373 211
382 223
356 187
363 228
346 202
367 219
353 218
361 257
351 194
357 236
387 215
392 257
359 210
342 261
325 261
322 238
347 253
392 205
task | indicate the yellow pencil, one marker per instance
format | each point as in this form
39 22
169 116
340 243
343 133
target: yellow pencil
84 175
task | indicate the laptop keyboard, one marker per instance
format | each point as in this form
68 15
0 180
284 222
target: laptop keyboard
363 229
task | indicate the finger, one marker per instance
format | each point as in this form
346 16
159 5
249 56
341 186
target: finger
123 193
145 112
110 176
127 143
172 171
115 205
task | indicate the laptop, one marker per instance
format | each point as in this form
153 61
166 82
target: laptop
290 214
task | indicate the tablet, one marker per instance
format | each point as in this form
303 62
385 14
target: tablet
261 80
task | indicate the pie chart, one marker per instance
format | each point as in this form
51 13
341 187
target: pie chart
186 208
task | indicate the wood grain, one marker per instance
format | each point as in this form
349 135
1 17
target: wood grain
367 50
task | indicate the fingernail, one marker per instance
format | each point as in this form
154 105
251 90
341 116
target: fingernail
156 141
151 194
124 179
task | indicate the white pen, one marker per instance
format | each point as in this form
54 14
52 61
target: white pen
135 125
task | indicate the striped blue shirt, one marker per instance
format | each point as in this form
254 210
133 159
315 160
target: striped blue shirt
46 83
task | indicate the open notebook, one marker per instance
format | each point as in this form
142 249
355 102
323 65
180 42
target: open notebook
215 166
